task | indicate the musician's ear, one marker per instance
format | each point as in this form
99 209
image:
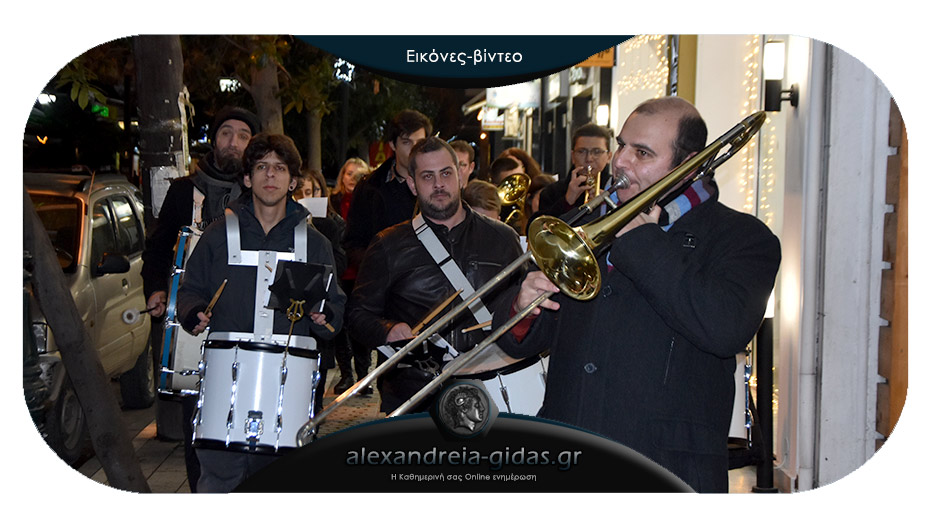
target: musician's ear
247 180
411 185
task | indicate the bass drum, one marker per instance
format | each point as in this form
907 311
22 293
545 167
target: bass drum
254 397
180 353
516 386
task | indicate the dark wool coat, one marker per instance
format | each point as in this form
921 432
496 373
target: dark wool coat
650 361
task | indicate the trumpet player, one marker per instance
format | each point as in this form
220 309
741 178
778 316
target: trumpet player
590 157
400 282
649 362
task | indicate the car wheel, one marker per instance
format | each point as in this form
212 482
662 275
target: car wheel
137 386
66 425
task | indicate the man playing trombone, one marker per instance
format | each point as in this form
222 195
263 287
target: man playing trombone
649 361
411 268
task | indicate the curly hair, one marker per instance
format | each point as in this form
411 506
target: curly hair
282 145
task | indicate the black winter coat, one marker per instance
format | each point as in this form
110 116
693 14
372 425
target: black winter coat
376 205
650 361
176 212
234 312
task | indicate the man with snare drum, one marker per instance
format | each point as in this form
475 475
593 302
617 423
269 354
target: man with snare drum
400 284
192 202
242 250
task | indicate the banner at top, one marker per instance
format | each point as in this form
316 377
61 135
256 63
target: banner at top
478 61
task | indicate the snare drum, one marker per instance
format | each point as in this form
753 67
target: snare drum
254 397
517 386
180 353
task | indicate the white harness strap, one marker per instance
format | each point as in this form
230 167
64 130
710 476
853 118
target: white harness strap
197 215
265 263
448 267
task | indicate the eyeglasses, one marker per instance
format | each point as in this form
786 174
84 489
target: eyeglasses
262 168
595 152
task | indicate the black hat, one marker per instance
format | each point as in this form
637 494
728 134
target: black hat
240 114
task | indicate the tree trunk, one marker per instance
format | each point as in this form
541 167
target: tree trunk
264 91
79 355
162 131
314 150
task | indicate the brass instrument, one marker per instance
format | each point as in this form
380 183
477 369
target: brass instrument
567 256
512 192
593 181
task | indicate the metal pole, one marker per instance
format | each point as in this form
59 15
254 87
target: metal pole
764 361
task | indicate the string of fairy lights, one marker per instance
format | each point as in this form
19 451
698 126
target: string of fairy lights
645 55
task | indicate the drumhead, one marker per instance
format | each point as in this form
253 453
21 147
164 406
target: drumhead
494 363
261 346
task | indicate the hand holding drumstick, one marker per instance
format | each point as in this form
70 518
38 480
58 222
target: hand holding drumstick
205 315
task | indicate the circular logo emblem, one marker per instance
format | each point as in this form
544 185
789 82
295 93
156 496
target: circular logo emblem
464 409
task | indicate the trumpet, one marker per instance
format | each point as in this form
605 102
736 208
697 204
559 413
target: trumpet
567 256
593 181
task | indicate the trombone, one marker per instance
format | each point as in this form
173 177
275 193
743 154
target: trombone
567 256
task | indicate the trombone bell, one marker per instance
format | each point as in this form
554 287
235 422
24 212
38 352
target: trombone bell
564 255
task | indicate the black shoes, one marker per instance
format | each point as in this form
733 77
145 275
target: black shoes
344 384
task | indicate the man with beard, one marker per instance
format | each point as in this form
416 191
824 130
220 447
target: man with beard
401 281
195 201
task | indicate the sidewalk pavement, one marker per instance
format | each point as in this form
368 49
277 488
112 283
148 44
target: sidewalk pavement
163 461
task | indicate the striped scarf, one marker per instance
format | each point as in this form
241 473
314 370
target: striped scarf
693 196
699 192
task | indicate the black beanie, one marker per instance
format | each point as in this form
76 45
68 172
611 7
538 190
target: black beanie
241 114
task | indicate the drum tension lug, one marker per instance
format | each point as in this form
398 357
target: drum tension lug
254 428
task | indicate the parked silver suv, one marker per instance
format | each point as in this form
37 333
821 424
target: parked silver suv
96 227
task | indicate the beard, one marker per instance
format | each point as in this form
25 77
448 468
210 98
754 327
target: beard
437 212
229 161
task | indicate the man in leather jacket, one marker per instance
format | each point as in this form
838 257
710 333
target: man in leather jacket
399 282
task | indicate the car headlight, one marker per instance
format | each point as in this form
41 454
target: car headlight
40 332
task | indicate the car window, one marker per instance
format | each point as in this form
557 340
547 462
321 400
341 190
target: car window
61 217
128 228
103 236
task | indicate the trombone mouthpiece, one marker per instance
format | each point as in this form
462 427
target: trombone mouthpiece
622 181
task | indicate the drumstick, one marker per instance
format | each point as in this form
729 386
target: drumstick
322 302
477 326
435 312
216 296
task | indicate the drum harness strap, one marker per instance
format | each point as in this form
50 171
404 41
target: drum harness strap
453 274
266 263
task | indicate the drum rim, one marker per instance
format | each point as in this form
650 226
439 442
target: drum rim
263 347
239 446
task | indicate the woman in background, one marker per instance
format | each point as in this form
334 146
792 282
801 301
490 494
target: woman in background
353 170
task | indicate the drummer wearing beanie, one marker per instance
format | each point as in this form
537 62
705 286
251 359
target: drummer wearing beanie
194 200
